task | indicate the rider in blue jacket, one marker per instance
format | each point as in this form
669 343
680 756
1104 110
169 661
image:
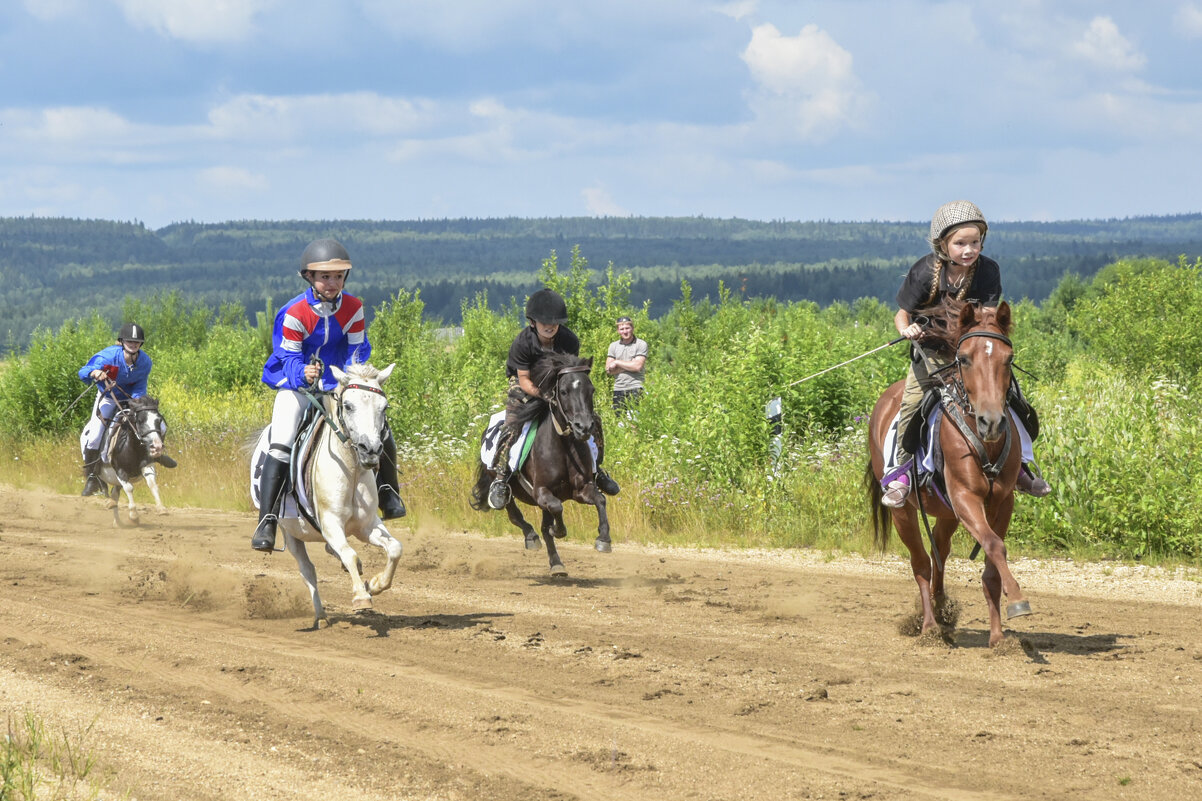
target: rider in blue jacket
320 327
120 373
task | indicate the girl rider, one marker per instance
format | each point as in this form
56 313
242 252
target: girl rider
956 268
120 372
548 316
326 323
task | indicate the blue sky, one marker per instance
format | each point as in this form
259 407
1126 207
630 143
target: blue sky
214 110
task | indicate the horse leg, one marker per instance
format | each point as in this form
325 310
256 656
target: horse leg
335 536
533 543
591 495
552 527
151 477
905 520
997 577
381 538
942 532
309 574
113 501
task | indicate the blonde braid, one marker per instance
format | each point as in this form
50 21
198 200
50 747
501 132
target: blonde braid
938 268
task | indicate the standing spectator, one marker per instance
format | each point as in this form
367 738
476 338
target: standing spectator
626 360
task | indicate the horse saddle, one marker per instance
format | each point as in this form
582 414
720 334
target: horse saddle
297 495
518 452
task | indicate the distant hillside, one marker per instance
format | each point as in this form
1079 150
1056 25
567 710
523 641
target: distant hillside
57 269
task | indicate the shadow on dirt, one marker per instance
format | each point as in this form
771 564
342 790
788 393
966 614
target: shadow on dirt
1037 643
382 624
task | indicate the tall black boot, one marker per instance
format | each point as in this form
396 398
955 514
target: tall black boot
387 483
91 463
498 491
271 490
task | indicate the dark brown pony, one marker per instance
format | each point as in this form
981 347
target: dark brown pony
980 466
560 465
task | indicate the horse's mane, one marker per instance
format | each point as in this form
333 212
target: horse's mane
948 322
143 403
549 365
363 370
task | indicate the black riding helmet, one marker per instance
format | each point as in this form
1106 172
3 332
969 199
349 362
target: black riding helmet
546 306
325 254
132 332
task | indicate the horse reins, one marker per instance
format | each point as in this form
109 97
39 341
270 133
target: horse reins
562 429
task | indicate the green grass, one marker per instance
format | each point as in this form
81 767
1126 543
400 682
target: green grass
37 764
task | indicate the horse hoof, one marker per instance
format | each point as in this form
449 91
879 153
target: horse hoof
361 604
160 510
1018 609
533 543
603 546
321 623
558 571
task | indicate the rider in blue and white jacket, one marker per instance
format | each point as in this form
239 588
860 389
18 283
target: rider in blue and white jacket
120 373
320 327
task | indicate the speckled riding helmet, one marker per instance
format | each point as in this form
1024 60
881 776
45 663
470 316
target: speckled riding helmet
953 215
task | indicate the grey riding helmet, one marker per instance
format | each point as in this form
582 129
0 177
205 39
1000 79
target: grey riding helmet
953 215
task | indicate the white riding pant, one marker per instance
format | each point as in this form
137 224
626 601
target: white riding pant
285 419
103 409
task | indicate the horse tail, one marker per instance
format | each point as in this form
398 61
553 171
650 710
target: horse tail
882 519
479 496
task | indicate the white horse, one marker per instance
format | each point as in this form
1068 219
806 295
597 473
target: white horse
340 478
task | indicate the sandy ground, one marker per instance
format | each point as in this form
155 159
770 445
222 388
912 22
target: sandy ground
647 674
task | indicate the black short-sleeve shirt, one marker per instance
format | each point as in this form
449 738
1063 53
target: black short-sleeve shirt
525 350
986 287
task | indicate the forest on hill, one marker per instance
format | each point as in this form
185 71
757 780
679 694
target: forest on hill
60 269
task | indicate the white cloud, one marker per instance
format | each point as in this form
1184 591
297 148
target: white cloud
738 9
599 203
196 20
1104 46
806 81
235 179
1188 21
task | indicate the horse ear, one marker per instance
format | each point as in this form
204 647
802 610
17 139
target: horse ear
589 362
340 376
968 315
1004 318
387 371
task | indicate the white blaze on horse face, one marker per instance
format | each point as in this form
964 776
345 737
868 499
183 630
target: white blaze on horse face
988 347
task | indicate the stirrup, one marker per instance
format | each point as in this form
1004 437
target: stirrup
895 494
605 483
498 493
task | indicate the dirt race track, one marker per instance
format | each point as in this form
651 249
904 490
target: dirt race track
648 674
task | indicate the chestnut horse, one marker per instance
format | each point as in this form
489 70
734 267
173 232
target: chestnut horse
980 467
560 466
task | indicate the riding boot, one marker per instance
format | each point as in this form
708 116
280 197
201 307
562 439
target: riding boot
1031 483
498 491
387 484
600 477
91 463
897 490
271 491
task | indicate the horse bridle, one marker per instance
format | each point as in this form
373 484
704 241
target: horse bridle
338 426
127 418
562 427
956 402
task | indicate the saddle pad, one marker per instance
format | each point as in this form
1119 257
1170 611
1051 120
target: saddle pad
488 445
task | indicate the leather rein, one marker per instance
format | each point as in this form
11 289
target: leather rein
559 417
